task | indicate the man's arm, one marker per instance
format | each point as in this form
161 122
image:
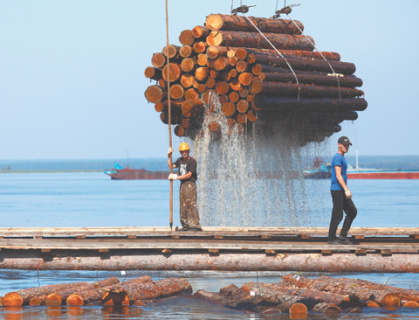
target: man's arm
339 177
185 176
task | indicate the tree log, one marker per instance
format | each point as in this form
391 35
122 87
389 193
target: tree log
158 60
306 64
320 78
238 23
188 64
176 117
254 40
22 297
186 80
185 51
228 108
153 73
191 94
245 78
233 96
179 131
155 94
251 116
201 73
334 285
309 90
222 87
174 72
257 86
202 60
186 38
200 32
241 118
162 106
171 51
326 104
241 66
221 63
95 295
176 92
242 106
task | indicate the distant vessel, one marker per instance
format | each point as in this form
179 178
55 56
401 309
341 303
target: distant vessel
323 171
119 173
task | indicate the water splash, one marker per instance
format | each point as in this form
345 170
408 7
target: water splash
246 179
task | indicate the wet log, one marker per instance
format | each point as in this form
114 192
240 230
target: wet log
320 78
328 308
174 72
228 109
185 51
334 285
241 118
95 295
153 73
155 94
254 40
325 104
22 297
306 64
186 38
200 32
298 310
239 23
158 60
179 131
309 90
251 116
242 106
171 51
175 119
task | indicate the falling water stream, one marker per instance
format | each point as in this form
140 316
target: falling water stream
246 179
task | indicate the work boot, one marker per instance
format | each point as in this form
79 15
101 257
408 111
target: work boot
183 229
195 229
334 242
344 240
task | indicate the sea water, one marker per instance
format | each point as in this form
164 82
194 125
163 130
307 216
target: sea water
93 199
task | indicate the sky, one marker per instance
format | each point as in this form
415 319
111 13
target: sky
72 72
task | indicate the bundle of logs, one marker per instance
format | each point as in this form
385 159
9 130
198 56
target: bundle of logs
300 295
110 291
301 91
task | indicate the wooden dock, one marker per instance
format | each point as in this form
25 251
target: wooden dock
214 248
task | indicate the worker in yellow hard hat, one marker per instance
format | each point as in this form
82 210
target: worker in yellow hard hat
189 216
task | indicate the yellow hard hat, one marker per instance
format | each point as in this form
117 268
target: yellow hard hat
184 147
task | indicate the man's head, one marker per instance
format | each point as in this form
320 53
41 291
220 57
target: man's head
184 150
343 144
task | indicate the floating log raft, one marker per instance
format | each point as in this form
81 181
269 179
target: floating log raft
228 57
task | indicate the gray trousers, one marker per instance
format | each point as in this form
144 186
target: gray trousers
189 216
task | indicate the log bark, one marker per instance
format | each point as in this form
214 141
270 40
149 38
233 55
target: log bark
306 64
158 60
334 285
254 40
186 38
325 104
280 74
239 23
95 295
309 90
22 297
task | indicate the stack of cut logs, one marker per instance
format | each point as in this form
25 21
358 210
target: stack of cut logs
302 92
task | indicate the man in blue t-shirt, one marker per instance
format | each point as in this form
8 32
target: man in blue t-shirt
341 195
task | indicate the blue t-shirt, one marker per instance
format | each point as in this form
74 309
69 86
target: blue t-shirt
338 160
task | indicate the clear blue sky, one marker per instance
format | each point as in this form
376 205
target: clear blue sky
72 72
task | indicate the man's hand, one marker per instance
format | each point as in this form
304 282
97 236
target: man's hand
348 194
172 176
169 152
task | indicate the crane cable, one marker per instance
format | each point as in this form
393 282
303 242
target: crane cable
279 53
334 74
169 115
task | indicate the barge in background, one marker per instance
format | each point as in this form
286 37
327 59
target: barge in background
119 173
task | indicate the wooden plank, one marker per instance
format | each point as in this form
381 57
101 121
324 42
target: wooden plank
360 252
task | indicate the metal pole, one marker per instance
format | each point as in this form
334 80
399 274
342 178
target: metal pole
170 117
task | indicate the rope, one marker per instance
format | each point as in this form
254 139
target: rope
169 114
279 53
333 70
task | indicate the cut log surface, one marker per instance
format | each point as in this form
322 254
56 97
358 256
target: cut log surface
253 40
171 72
200 32
155 94
158 60
239 23
186 38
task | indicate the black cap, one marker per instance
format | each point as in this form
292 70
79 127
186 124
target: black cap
344 140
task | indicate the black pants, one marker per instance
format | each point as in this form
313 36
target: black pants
340 204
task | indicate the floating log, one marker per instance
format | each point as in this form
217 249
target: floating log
254 40
238 23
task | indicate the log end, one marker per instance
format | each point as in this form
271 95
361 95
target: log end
390 300
214 22
53 299
372 304
298 309
74 300
116 297
35 302
12 299
411 304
